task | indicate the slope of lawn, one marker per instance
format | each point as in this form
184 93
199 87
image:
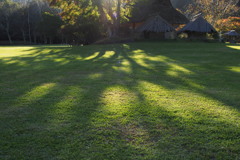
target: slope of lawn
152 100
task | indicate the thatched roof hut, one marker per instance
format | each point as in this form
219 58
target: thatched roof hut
156 24
157 28
231 36
232 33
238 4
142 11
199 25
181 3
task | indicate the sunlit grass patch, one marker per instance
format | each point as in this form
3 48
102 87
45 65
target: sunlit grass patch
92 56
234 47
122 65
37 92
234 69
14 51
148 100
107 54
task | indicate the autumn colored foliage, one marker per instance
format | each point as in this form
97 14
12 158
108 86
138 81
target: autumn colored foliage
231 23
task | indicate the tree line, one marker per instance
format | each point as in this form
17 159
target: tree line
61 21
86 21
32 22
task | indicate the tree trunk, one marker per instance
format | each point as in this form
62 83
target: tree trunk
7 30
118 17
109 31
45 39
164 2
62 39
35 38
103 17
23 36
9 36
50 40
29 28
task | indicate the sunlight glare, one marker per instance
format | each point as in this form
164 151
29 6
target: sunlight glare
234 47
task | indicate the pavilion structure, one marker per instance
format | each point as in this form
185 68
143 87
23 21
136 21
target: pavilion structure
159 12
155 27
198 28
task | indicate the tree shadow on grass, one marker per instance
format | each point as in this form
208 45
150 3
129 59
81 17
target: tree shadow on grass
120 102
211 67
198 130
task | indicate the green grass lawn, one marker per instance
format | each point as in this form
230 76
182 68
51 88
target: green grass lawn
157 100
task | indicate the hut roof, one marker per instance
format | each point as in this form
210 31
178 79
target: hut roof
238 4
232 33
156 24
199 25
142 11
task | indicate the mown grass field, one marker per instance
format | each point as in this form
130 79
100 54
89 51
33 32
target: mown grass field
152 100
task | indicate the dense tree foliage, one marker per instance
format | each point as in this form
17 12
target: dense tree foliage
106 14
230 23
52 29
76 21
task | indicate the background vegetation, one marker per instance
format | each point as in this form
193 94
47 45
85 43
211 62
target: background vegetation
86 21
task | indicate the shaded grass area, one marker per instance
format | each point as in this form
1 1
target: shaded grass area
124 101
